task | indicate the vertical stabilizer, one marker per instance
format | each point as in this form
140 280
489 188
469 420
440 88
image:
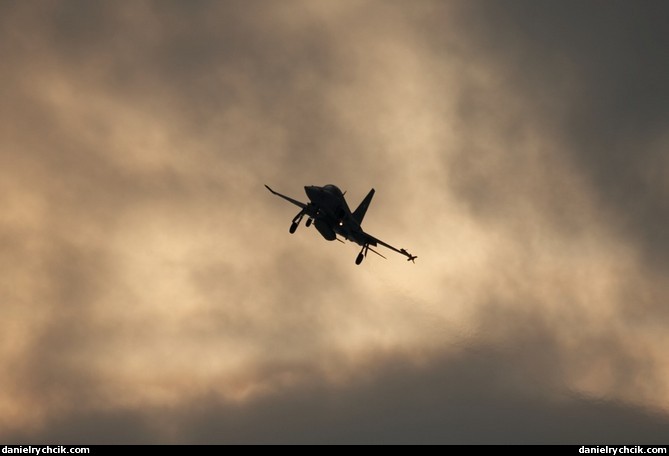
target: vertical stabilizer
361 210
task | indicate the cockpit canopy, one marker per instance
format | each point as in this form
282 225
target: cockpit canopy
333 190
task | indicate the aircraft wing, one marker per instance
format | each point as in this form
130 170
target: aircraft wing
371 240
288 198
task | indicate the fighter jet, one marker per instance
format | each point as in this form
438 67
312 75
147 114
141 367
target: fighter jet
328 211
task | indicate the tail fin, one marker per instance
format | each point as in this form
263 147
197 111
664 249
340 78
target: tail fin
359 213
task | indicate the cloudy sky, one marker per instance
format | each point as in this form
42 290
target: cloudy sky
151 292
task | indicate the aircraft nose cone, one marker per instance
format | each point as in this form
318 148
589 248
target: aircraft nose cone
313 192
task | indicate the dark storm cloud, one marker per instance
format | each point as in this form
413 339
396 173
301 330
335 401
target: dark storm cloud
206 60
467 399
203 63
478 397
595 74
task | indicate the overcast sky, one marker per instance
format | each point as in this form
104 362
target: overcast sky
151 292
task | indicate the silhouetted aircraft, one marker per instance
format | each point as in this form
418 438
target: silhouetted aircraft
331 216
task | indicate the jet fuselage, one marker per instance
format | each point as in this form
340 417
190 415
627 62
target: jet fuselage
328 211
332 214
